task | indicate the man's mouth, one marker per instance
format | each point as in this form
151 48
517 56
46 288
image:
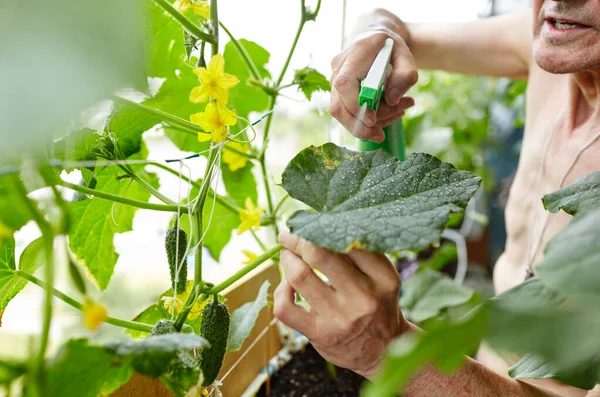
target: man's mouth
564 25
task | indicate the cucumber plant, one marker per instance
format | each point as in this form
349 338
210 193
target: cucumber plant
203 104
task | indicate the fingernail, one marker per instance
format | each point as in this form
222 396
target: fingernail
394 96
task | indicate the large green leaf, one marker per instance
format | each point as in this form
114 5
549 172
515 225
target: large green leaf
245 98
60 57
371 201
570 264
10 371
240 184
427 293
151 315
533 366
244 318
580 197
31 259
14 214
153 355
85 371
95 223
446 346
309 81
76 146
128 125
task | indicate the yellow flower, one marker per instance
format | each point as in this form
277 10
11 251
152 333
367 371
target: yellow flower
200 8
175 304
5 232
94 314
215 119
214 82
250 257
250 217
235 161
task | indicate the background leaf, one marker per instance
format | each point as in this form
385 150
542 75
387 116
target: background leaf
85 371
128 125
532 366
14 214
152 356
570 264
309 81
246 98
89 49
223 222
428 292
96 221
244 318
240 184
31 259
580 197
370 200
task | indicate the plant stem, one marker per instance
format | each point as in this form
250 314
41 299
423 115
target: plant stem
125 200
245 270
150 188
243 53
214 22
197 226
211 194
185 125
259 241
287 196
263 168
294 43
185 22
48 236
79 306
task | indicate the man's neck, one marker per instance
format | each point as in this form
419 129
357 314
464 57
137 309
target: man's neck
585 99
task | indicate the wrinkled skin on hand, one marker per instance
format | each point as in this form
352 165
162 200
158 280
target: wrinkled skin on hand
352 319
351 66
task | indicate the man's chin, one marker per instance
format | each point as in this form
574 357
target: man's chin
562 61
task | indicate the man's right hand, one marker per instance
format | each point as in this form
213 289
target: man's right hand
351 66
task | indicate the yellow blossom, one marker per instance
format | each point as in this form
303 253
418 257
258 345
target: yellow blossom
215 119
250 217
175 304
214 82
235 161
200 8
5 231
94 314
250 257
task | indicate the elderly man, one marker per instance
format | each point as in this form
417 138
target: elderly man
556 47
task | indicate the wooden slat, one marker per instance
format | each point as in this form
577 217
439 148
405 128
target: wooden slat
256 359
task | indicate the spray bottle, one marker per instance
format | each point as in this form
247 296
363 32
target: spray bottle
371 93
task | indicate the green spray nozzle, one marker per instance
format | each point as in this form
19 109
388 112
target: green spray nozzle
373 86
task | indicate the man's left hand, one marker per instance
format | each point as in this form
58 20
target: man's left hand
352 319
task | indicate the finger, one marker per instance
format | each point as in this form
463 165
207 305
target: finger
404 73
386 111
385 122
342 274
376 266
304 280
354 69
292 315
355 126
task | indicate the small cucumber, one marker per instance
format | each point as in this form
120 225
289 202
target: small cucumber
176 257
215 329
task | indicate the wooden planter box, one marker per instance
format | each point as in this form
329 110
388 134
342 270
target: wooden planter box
254 360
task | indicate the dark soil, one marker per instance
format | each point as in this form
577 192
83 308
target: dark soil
306 376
